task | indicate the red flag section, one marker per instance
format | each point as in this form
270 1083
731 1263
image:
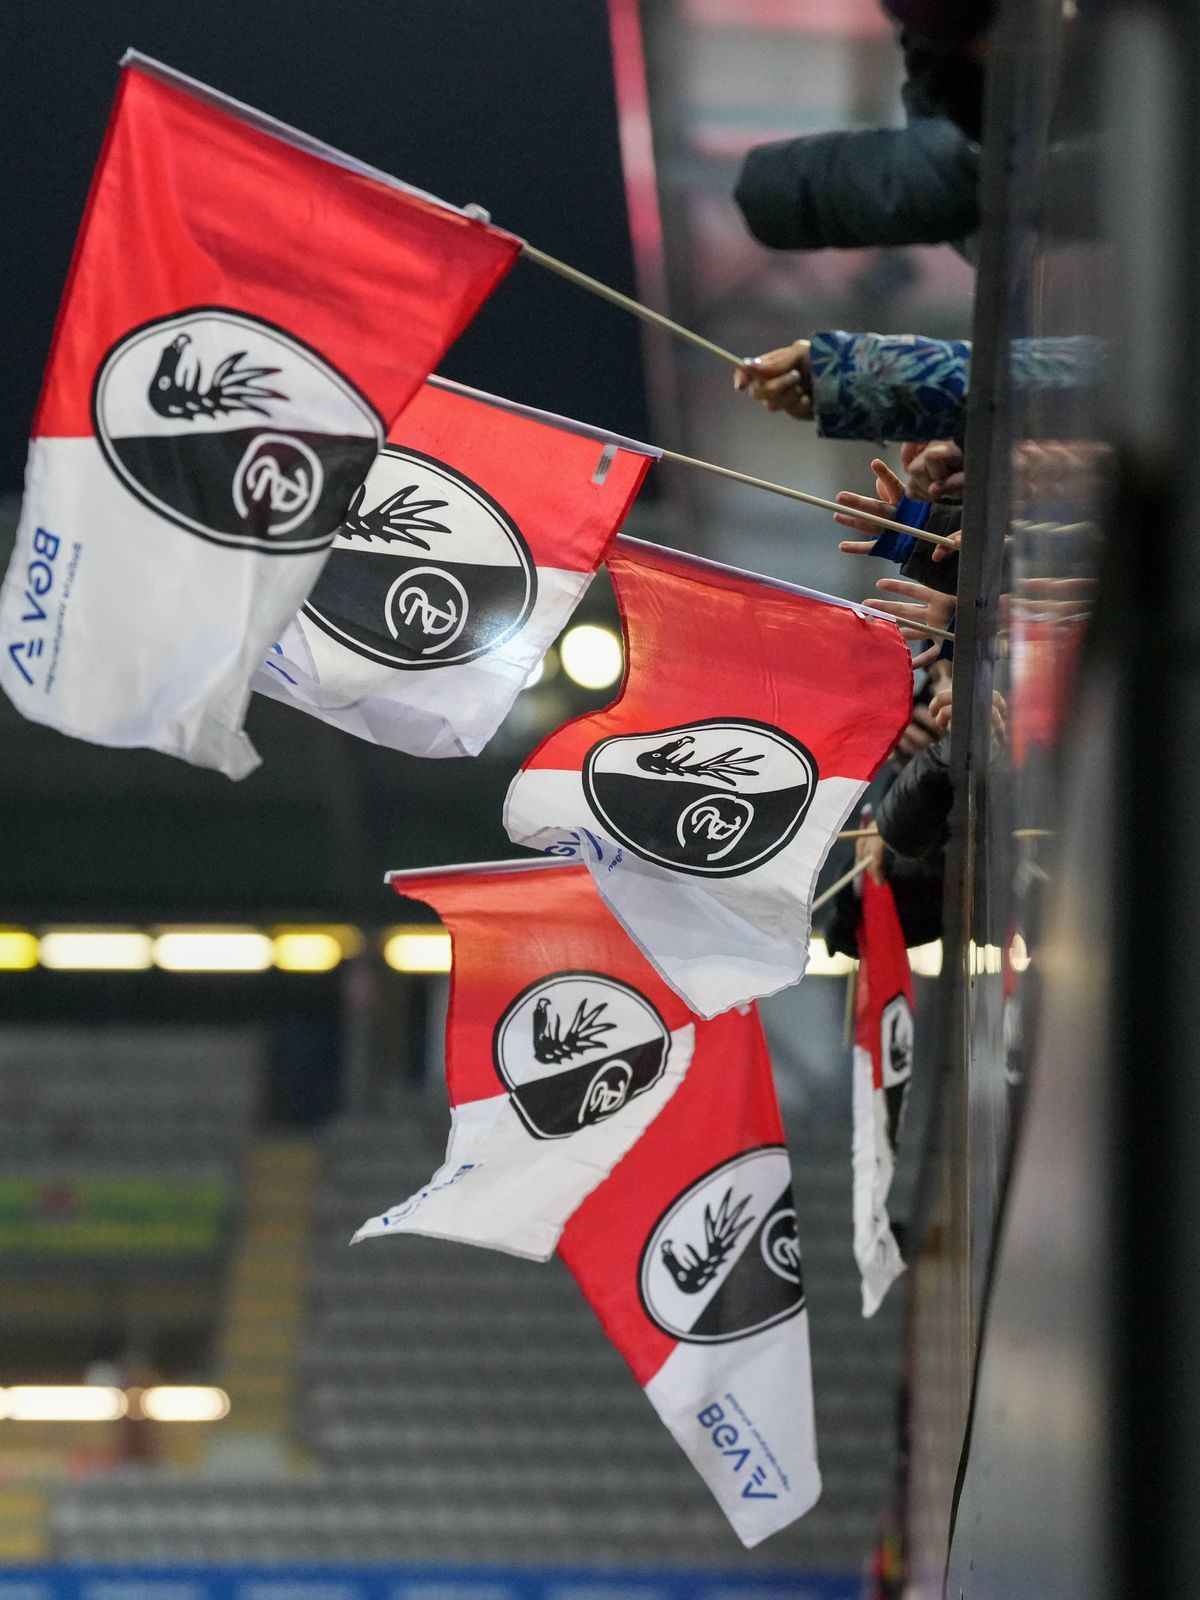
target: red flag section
706 797
245 311
883 1047
476 534
689 1256
562 1046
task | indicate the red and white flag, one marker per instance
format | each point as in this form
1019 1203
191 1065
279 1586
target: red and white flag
245 312
476 534
590 1111
883 1051
562 1046
690 1257
706 797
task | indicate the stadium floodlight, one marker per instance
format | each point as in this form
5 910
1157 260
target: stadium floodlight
18 950
186 1402
213 950
417 950
96 950
62 1402
308 950
591 656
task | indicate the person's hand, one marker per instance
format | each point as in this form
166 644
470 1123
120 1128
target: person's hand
940 705
943 552
889 489
919 604
782 380
920 733
871 851
934 470
940 708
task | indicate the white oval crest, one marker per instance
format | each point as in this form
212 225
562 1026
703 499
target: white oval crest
576 1047
234 429
427 569
723 1260
714 798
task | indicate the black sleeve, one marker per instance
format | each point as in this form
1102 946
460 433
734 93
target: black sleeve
921 567
879 186
914 815
917 886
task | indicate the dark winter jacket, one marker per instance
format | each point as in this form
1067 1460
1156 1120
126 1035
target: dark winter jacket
874 186
914 815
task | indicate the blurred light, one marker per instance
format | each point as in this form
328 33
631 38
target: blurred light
1018 955
18 950
591 656
417 950
97 950
213 950
926 959
62 1402
311 950
184 1403
821 964
536 676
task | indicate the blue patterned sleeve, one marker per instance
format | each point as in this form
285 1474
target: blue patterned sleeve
880 386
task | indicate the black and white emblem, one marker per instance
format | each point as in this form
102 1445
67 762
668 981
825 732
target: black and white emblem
896 1055
573 1049
711 798
426 571
723 1260
234 429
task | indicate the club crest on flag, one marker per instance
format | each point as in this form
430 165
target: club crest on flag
896 1057
713 798
427 570
233 429
723 1260
575 1048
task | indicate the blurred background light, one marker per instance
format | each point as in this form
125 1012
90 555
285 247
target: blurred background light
96 949
62 1402
18 950
926 959
591 656
536 676
213 950
417 950
184 1403
307 950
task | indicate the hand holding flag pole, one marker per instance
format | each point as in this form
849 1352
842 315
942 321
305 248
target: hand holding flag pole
647 314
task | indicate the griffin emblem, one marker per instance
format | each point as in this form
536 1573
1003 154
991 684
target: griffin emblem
674 759
397 520
721 1233
551 1045
176 392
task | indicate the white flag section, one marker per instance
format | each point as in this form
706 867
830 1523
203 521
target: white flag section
243 313
883 1051
690 1256
706 798
562 1047
475 536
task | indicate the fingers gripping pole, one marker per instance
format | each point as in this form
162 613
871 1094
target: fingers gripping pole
805 499
635 307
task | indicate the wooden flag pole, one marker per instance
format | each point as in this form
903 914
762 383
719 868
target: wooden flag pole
925 629
805 499
835 888
647 314
627 303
